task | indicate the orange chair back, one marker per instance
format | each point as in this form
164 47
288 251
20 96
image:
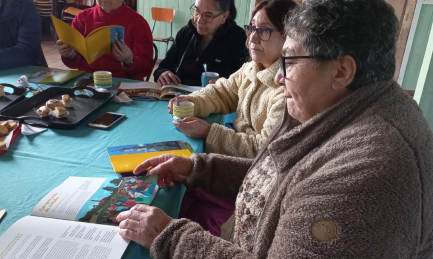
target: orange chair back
163 14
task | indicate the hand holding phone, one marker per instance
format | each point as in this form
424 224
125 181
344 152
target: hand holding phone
106 120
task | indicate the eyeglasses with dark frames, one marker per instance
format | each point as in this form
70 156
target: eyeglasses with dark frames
263 33
282 61
206 17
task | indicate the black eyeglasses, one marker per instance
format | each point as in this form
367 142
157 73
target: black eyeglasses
263 33
282 61
206 17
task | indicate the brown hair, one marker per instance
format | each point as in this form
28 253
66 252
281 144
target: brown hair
276 10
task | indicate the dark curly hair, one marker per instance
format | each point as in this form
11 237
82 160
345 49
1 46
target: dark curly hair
227 5
363 29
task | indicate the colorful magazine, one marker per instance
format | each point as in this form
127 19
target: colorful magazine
153 91
78 216
126 158
53 76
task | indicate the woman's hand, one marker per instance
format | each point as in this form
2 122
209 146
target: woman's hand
193 127
168 167
142 224
168 78
213 80
65 50
181 98
122 53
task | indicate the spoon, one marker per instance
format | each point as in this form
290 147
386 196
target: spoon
175 96
205 68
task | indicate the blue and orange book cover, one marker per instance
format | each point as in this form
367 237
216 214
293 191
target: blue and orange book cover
126 158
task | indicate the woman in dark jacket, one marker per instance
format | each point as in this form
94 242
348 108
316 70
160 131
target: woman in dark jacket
20 34
211 37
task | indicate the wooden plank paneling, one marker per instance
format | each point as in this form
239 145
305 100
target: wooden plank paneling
399 7
405 26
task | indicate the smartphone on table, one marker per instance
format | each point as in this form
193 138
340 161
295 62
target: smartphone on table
106 120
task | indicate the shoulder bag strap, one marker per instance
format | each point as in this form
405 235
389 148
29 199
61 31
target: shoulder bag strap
183 55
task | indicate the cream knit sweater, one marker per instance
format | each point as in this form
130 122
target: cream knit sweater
257 101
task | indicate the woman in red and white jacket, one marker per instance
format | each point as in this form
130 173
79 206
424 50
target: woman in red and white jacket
133 59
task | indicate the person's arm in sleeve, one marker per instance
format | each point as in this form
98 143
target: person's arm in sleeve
77 24
171 60
218 174
142 50
221 97
183 238
29 40
373 204
245 144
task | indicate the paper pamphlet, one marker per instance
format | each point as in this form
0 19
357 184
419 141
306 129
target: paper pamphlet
117 34
126 158
35 237
96 200
148 90
53 76
61 223
95 45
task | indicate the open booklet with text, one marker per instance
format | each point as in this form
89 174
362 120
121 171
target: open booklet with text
152 90
77 219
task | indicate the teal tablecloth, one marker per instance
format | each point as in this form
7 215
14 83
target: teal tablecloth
35 164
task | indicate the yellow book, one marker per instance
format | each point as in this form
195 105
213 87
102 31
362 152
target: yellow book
53 76
95 45
126 158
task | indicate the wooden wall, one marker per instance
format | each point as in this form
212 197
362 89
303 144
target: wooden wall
183 15
406 15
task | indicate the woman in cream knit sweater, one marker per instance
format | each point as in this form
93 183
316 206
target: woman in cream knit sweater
250 92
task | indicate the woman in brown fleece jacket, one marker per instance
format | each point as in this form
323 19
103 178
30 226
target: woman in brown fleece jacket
352 180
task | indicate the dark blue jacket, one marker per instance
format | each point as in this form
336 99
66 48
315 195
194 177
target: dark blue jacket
225 54
20 35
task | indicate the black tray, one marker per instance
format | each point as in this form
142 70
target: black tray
10 99
83 106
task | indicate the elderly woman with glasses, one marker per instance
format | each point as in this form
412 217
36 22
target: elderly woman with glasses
250 92
353 180
211 37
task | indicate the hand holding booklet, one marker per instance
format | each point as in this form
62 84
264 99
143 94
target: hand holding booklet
77 219
152 91
126 158
95 45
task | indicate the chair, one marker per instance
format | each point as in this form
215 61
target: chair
45 9
163 15
73 7
155 58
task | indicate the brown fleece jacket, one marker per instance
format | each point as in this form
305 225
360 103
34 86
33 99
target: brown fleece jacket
355 181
